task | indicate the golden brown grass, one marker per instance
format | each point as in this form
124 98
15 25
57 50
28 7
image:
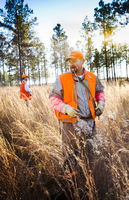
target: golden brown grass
31 154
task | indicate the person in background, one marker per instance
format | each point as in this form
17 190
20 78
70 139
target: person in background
73 97
25 91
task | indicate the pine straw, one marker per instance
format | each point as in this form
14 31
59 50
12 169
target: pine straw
31 153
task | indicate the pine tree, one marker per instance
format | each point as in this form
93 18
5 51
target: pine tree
87 32
2 57
107 22
17 21
59 46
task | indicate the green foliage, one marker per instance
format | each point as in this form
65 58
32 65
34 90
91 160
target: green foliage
22 52
121 8
87 33
105 19
17 19
59 46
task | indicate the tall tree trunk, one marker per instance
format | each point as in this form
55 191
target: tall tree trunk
117 70
3 79
113 63
3 73
9 76
103 73
45 72
106 62
17 70
19 48
97 71
29 74
112 68
0 78
61 65
33 75
65 65
120 69
57 69
39 73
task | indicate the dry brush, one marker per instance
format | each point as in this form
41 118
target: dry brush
31 153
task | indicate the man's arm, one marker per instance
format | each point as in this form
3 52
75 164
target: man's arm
56 101
27 88
56 96
99 91
100 97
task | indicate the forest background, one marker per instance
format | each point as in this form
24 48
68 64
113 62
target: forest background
21 51
31 160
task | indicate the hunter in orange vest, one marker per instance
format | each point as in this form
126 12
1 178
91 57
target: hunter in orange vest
70 97
25 91
77 98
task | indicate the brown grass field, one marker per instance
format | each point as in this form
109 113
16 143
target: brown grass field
31 161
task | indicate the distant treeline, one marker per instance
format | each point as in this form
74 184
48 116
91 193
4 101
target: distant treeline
22 52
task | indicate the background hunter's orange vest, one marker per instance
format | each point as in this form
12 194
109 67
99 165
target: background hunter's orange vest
70 94
23 94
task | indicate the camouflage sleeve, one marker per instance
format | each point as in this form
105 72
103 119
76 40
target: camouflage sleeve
99 87
57 90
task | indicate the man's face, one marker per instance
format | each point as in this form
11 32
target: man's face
25 79
76 65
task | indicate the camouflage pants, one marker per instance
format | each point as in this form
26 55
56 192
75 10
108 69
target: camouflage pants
78 138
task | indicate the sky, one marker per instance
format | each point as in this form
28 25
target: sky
70 14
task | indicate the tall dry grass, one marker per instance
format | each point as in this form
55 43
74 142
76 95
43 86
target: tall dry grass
31 153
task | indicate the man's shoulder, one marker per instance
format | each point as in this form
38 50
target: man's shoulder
23 82
66 78
90 74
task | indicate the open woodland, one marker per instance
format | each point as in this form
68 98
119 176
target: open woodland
22 52
31 160
31 153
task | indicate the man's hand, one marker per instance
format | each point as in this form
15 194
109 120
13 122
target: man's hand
100 107
72 112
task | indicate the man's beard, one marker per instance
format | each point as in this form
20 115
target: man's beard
74 69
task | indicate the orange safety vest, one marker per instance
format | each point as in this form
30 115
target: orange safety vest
70 94
23 93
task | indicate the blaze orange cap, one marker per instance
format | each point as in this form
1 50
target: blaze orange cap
75 54
24 76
